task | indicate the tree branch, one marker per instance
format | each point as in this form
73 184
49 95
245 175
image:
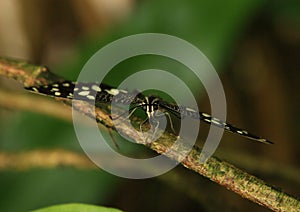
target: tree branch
43 159
221 172
35 104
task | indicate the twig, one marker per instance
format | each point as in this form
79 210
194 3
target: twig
264 166
46 106
223 173
24 161
35 104
43 159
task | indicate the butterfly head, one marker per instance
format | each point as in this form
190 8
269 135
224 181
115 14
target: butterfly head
151 105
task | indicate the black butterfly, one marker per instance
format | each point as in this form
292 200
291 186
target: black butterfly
92 92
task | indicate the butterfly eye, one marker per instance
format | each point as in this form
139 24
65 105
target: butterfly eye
144 107
155 107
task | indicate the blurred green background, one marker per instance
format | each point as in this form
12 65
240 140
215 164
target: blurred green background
253 44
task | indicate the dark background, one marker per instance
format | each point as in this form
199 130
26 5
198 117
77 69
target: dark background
254 46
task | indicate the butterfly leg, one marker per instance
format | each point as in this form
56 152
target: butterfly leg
131 111
169 118
156 123
113 139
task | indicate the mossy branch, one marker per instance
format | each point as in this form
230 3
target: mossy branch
221 172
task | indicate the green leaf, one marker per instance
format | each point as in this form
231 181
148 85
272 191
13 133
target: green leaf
74 207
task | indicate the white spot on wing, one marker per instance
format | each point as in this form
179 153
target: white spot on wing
113 91
123 91
70 95
55 85
96 88
205 115
216 122
90 97
85 88
57 93
54 89
84 93
190 109
207 120
66 84
262 140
